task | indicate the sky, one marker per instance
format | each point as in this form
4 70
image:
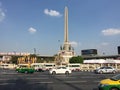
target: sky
29 25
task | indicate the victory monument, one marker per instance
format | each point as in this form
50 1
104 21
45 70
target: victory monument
66 50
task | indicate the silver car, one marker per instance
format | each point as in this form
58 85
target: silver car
105 70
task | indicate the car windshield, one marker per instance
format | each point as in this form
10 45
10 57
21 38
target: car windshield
101 67
117 77
61 67
23 66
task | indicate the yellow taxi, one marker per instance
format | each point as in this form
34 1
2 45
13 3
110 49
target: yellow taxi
112 83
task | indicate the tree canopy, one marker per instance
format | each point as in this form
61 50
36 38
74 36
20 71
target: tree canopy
76 59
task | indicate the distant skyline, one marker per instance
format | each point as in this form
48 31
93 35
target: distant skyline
38 25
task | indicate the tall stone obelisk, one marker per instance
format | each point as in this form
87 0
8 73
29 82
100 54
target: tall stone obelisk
66 42
66 51
66 25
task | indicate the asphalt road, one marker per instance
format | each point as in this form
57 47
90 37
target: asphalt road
11 80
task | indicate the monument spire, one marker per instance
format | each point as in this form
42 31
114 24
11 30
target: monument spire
66 45
66 25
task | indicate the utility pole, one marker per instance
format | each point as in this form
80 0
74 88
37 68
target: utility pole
35 51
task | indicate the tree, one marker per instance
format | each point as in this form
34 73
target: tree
14 59
77 59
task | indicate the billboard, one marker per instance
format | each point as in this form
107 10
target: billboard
89 52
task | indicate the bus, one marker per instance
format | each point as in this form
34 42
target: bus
39 67
8 66
43 66
49 66
74 66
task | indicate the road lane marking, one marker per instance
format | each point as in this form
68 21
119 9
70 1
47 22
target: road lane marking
64 77
36 78
45 82
5 79
6 83
6 73
75 81
88 77
96 81
40 83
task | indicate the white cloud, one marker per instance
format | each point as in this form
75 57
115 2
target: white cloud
32 30
2 15
111 31
104 44
73 43
52 12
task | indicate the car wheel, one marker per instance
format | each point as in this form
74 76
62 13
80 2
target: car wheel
114 88
17 71
101 72
53 73
67 73
114 72
26 72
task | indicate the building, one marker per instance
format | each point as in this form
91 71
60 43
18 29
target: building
6 56
119 50
89 52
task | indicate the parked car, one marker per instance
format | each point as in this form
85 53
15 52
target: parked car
25 69
105 70
60 70
112 83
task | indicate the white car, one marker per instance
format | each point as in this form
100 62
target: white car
105 70
60 70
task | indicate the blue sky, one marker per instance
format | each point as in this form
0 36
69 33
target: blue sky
39 24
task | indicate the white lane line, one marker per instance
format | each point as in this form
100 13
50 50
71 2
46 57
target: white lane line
96 81
63 77
88 77
75 81
40 83
4 79
6 83
45 82
1 79
7 73
36 78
